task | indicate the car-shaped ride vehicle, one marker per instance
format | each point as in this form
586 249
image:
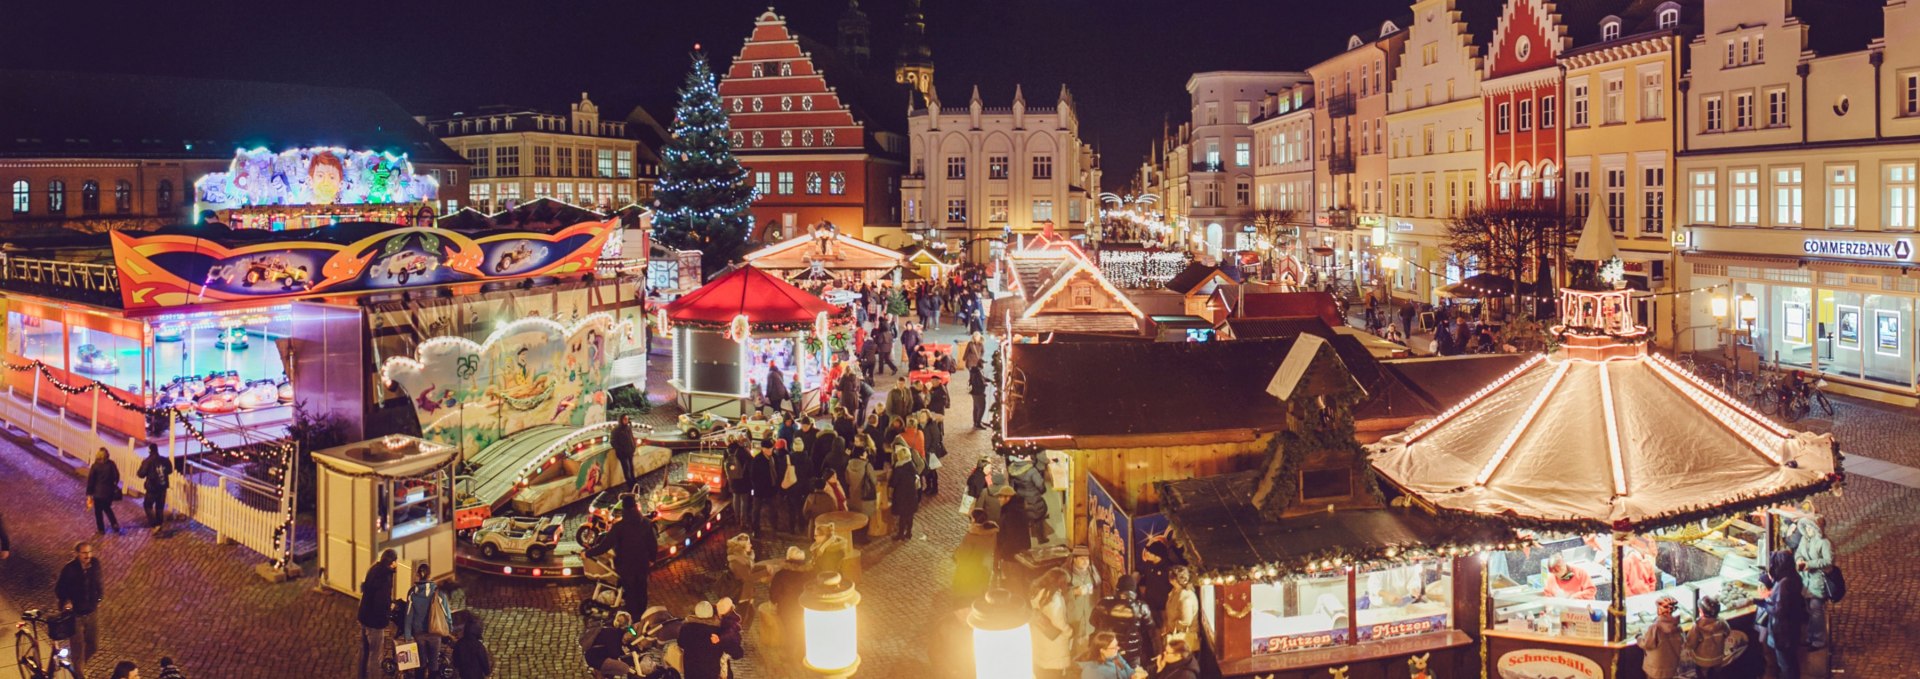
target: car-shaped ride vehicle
680 511
696 426
532 537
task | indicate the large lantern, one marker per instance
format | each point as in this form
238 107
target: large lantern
1002 641
831 626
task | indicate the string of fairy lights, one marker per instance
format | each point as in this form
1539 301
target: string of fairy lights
278 455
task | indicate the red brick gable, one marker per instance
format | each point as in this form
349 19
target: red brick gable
1533 22
789 102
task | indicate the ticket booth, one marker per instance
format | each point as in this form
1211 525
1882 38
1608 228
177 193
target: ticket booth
394 492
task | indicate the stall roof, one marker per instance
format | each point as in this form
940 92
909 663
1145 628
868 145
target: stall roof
1191 279
1216 524
1267 328
1582 446
762 297
1290 304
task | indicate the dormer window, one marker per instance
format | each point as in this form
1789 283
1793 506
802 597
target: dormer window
1610 29
1669 17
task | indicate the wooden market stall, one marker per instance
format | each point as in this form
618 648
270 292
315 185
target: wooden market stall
394 492
726 334
850 261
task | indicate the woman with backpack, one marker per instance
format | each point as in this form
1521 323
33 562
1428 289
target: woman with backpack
429 618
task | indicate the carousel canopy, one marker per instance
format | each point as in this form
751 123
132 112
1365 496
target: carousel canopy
1633 443
749 291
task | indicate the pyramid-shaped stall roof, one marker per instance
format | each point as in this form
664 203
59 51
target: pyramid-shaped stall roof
762 297
1634 443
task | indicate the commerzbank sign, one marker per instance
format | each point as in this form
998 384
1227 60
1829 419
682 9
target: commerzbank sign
1899 250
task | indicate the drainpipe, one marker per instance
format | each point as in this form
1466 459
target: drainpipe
1876 58
1801 71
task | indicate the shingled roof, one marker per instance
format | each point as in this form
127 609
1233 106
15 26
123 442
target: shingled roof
93 115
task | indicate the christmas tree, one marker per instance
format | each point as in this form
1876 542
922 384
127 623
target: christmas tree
702 198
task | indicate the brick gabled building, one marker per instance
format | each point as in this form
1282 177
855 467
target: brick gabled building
812 126
1521 96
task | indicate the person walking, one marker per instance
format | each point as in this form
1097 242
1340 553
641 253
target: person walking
79 591
1784 609
429 618
103 489
471 659
905 489
376 608
156 472
795 494
634 543
761 485
977 388
1052 632
776 389
623 444
1813 557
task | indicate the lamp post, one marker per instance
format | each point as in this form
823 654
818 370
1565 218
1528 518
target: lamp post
831 626
1749 312
1002 641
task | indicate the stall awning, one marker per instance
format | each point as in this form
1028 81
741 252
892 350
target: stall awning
752 292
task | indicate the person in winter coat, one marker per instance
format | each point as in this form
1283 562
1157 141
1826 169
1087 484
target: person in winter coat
762 485
376 606
429 617
623 445
1025 477
1126 616
977 388
973 559
1785 613
819 501
975 353
1015 535
1052 632
1180 618
1662 642
900 399
859 478
776 389
904 484
703 643
170 670
1104 660
103 489
634 544
1706 643
1178 662
796 494
471 659
979 480
1813 557
784 592
79 591
156 472
1083 584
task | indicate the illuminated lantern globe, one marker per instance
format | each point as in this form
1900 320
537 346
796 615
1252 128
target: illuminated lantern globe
831 625
1002 639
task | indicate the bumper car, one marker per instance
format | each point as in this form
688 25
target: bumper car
259 394
680 511
532 537
218 380
218 402
284 391
168 333
90 359
231 339
696 426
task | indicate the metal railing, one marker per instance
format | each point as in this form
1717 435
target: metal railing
1340 105
1204 166
77 275
1340 163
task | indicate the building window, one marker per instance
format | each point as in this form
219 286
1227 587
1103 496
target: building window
506 161
1705 197
786 103
1789 197
1613 102
1042 211
738 104
481 195
605 159
1743 111
1617 200
786 68
1213 113
956 167
997 210
122 196
1653 97
837 183
1713 118
1213 155
1900 195
542 161
1777 107
1526 183
956 210
757 71
1669 18
1746 196
1082 295
563 157
758 140
786 137
542 190
806 103
1843 196
758 104
90 197
1653 200
163 197
763 183
1546 113
1242 152
1213 194
1043 167
813 183
478 157
1503 183
1500 117
563 191
1582 194
1910 94
1427 190
22 196
1242 193
786 183
996 167
1579 104
1610 30
1243 112
806 137
827 137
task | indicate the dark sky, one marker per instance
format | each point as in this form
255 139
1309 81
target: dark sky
1127 61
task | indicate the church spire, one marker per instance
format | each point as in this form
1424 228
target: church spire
854 35
915 65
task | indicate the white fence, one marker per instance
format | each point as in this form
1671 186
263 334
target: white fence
237 509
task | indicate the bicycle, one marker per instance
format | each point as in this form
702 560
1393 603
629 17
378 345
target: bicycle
27 645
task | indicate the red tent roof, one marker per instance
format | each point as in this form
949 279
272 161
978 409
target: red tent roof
1291 305
763 297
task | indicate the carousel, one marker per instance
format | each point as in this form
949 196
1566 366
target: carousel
729 335
1635 481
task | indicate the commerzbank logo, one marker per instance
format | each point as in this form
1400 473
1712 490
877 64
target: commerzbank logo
1899 250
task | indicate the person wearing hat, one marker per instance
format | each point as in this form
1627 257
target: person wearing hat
634 544
1711 644
784 591
1662 642
1015 534
1083 585
704 643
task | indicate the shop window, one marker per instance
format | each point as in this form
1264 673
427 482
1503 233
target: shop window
36 339
104 356
1788 325
1559 588
1398 601
1863 336
1299 613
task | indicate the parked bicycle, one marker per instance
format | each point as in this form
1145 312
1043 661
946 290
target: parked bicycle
28 646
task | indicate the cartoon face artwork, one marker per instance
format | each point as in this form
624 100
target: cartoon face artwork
325 176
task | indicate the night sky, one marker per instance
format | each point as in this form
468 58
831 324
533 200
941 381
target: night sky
1127 61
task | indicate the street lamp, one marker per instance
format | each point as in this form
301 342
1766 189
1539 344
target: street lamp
1002 641
1749 312
1389 266
1719 308
831 626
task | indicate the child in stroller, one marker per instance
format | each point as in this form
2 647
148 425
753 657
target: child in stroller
625 649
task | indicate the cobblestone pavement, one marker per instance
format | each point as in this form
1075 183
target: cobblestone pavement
183 595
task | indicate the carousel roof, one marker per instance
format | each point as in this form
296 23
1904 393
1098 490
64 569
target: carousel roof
1581 445
762 297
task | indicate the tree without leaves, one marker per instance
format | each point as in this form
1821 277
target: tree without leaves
1512 240
703 195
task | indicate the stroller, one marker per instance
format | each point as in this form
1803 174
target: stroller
607 596
633 650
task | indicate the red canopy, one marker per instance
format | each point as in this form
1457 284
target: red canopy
763 297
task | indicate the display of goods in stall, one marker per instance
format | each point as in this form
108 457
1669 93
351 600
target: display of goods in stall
90 359
532 537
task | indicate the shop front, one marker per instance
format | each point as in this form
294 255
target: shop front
1837 304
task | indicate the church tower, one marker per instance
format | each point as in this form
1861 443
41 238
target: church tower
854 45
915 66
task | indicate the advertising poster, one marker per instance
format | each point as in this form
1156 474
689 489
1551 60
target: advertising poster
1147 530
1848 319
1795 320
173 269
1107 530
1539 663
1886 332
